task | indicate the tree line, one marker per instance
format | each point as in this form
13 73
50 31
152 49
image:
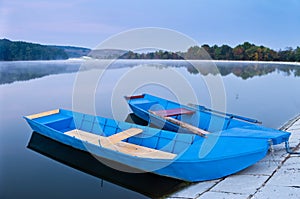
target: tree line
19 50
245 51
248 51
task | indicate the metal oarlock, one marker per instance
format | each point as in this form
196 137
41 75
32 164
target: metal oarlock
288 149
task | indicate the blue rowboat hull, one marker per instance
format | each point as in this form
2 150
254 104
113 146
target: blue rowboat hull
207 119
195 158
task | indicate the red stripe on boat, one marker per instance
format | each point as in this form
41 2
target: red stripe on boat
134 97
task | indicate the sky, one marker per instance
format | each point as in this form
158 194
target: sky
86 23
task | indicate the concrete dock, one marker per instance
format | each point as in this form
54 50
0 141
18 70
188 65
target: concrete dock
275 176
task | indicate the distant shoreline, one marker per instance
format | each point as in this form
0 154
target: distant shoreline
192 60
246 52
82 59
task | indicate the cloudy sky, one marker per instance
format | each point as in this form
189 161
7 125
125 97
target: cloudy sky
273 23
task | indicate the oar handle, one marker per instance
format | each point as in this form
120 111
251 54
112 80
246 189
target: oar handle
203 108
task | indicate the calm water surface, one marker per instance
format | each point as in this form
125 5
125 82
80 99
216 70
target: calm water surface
266 92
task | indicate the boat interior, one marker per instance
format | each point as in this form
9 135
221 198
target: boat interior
205 120
119 136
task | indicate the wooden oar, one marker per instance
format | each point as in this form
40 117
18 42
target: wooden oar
190 127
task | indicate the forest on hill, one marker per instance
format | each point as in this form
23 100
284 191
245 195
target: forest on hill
20 50
245 51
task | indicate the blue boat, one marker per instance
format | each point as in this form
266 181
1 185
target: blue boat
148 149
169 115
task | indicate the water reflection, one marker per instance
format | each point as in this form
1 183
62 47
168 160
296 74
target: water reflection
245 70
21 71
26 70
148 184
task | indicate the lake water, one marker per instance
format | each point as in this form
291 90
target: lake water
267 92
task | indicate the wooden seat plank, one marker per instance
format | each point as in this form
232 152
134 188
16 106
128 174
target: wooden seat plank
89 137
124 135
123 147
43 114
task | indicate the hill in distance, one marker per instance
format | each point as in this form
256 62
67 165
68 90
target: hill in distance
20 50
74 52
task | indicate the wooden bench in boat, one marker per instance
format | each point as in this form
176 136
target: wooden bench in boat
124 135
173 112
114 142
43 114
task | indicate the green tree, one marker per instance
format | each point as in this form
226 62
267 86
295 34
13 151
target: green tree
13 51
297 54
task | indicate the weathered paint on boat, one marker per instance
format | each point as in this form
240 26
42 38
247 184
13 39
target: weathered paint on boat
175 155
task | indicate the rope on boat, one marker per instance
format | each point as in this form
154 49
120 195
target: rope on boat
272 152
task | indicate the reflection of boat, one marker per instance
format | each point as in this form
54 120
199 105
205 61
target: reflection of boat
149 184
162 113
189 157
